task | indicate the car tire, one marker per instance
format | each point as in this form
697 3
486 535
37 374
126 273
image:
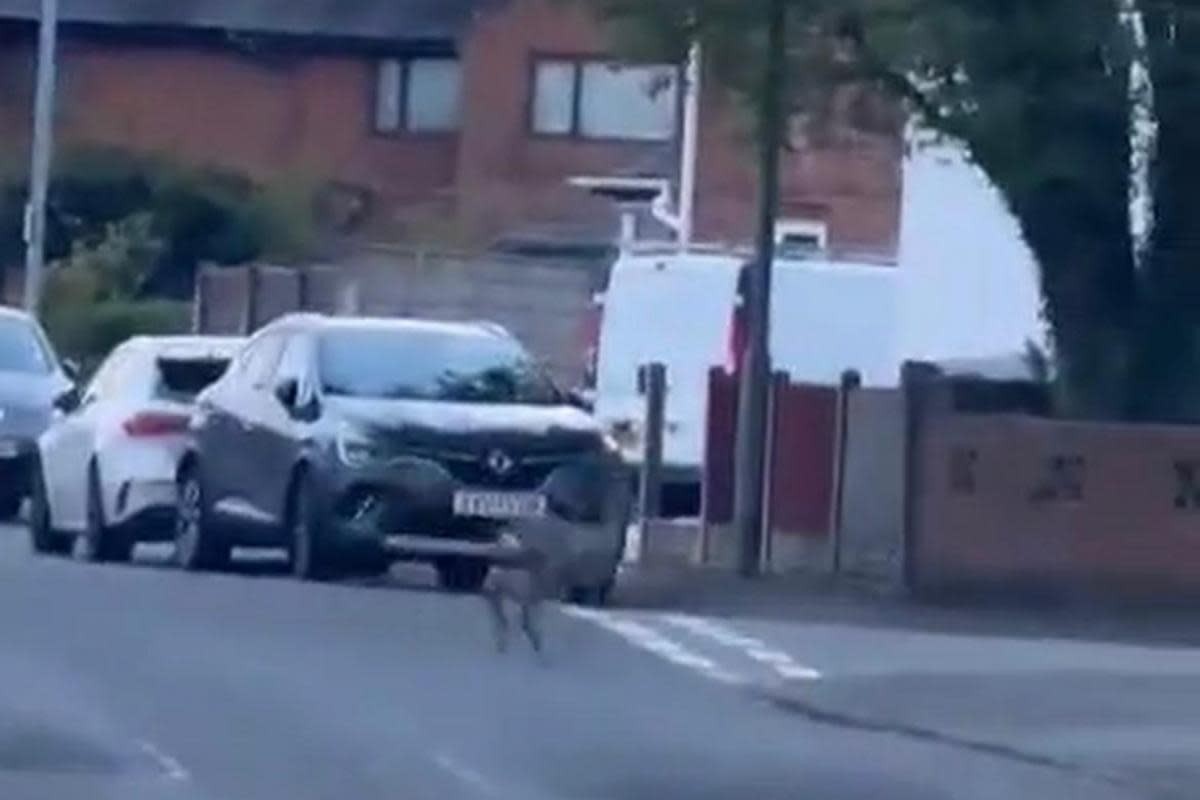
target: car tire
99 542
368 565
44 539
10 506
310 556
591 596
198 547
462 575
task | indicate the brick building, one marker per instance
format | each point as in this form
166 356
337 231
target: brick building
468 114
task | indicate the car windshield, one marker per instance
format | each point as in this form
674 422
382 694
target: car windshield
21 349
431 364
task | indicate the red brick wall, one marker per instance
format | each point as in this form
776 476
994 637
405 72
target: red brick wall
307 115
1019 502
16 86
505 174
311 115
852 182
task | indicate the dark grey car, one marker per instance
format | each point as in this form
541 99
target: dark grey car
357 442
33 385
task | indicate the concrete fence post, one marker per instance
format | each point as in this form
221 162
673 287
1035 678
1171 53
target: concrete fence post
303 290
779 385
851 382
251 300
653 380
200 299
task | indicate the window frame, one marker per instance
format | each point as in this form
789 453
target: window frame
577 63
300 342
261 343
403 129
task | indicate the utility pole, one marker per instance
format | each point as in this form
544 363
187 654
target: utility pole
42 149
750 494
690 145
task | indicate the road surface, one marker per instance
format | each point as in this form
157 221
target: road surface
142 682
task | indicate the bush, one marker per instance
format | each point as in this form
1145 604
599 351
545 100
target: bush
87 334
196 214
122 262
89 304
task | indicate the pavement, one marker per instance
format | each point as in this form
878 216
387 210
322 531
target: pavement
139 681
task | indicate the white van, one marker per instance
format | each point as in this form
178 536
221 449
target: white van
680 308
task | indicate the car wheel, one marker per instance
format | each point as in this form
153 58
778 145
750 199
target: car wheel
311 560
592 596
197 546
10 505
367 565
42 535
462 574
99 542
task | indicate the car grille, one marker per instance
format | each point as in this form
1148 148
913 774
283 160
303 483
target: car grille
523 475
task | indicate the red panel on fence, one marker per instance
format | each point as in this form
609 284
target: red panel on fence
718 447
803 459
803 465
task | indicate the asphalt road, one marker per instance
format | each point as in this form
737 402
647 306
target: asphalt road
142 682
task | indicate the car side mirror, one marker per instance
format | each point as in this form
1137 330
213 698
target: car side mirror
286 391
68 401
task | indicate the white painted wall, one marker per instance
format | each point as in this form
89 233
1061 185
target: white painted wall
969 282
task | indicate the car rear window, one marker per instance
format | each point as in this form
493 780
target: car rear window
183 378
21 349
431 364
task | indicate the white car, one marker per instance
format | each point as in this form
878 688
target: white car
106 471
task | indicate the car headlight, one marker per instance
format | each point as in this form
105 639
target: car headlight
355 448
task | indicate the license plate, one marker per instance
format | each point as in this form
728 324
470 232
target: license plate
499 505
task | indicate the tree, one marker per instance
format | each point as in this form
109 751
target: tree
1040 93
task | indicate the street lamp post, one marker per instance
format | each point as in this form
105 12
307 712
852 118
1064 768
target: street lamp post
42 149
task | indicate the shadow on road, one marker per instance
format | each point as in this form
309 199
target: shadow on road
251 563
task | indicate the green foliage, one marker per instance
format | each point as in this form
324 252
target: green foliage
196 215
121 262
1039 92
90 306
87 333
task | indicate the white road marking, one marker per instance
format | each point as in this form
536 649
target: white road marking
465 774
165 761
783 663
650 640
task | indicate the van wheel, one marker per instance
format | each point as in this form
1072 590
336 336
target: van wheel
197 546
42 535
99 542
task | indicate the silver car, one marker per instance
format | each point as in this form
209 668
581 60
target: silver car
34 387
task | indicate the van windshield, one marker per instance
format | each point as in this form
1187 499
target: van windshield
431 364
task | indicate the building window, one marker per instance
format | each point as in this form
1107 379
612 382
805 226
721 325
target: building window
602 100
420 95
